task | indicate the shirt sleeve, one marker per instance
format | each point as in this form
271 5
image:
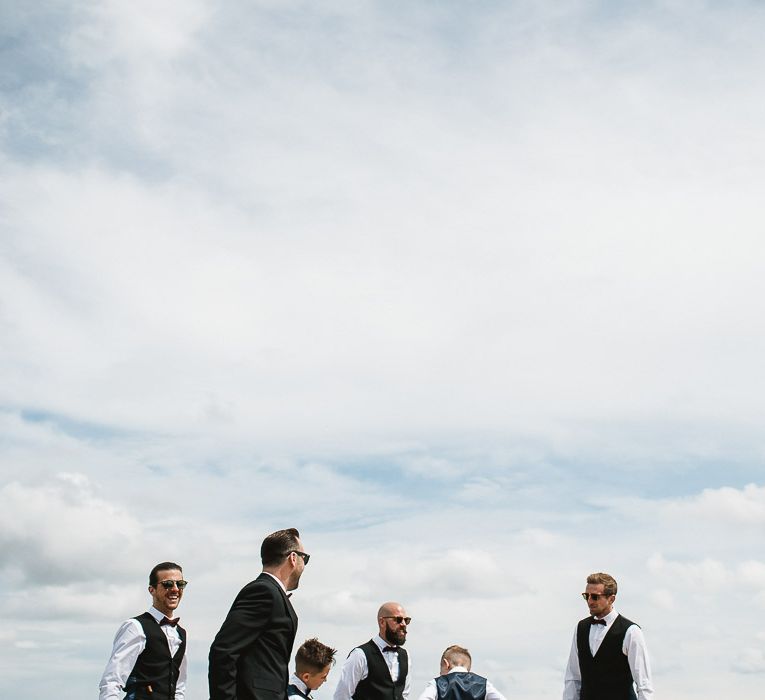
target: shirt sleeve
407 681
637 657
129 642
354 670
430 692
572 681
491 692
180 686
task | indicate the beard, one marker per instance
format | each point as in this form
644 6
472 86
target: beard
395 636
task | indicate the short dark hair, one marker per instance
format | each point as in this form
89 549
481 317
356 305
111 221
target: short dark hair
608 581
277 546
164 566
313 656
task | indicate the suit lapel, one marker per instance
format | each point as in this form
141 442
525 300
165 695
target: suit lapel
287 605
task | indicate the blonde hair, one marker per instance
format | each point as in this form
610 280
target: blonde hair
457 656
608 581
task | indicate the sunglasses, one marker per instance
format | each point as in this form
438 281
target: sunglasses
168 584
398 619
595 596
305 556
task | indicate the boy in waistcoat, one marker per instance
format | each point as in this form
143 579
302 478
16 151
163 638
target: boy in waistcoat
457 682
312 663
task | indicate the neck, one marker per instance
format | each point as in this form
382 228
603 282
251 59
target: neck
279 572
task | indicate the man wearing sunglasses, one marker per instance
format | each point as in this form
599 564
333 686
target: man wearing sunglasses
608 659
149 652
250 655
379 669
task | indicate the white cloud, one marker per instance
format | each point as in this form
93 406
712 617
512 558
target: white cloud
750 661
465 293
61 531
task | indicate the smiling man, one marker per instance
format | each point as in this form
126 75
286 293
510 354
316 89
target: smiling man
608 658
149 653
379 669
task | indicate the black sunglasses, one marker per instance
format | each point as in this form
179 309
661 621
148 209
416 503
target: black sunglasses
305 556
169 583
595 596
398 619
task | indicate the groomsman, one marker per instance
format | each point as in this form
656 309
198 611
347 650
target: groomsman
249 656
608 658
379 669
149 652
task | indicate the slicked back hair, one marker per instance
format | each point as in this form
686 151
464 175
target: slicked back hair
164 566
457 655
277 546
313 656
608 581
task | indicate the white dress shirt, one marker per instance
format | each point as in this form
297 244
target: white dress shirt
431 691
302 687
355 670
633 648
129 642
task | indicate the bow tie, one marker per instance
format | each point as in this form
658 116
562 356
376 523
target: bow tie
593 621
390 648
168 621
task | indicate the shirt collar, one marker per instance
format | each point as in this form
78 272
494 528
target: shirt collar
381 642
610 617
458 669
302 687
157 615
281 585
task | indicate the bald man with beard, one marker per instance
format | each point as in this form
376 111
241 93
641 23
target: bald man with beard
379 669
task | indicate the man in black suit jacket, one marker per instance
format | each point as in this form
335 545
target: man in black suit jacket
250 655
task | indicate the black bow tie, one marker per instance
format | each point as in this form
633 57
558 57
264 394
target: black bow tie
168 621
593 621
390 648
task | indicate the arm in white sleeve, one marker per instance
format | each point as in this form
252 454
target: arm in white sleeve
430 692
637 657
129 642
354 670
572 681
492 693
407 682
180 686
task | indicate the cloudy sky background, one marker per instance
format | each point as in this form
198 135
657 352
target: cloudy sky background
470 293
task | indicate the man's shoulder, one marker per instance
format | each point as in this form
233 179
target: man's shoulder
625 621
262 585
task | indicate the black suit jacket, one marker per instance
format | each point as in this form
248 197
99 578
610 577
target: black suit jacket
249 657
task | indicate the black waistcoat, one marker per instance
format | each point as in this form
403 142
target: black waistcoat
378 685
607 675
461 685
155 667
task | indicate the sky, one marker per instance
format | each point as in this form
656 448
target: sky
467 292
